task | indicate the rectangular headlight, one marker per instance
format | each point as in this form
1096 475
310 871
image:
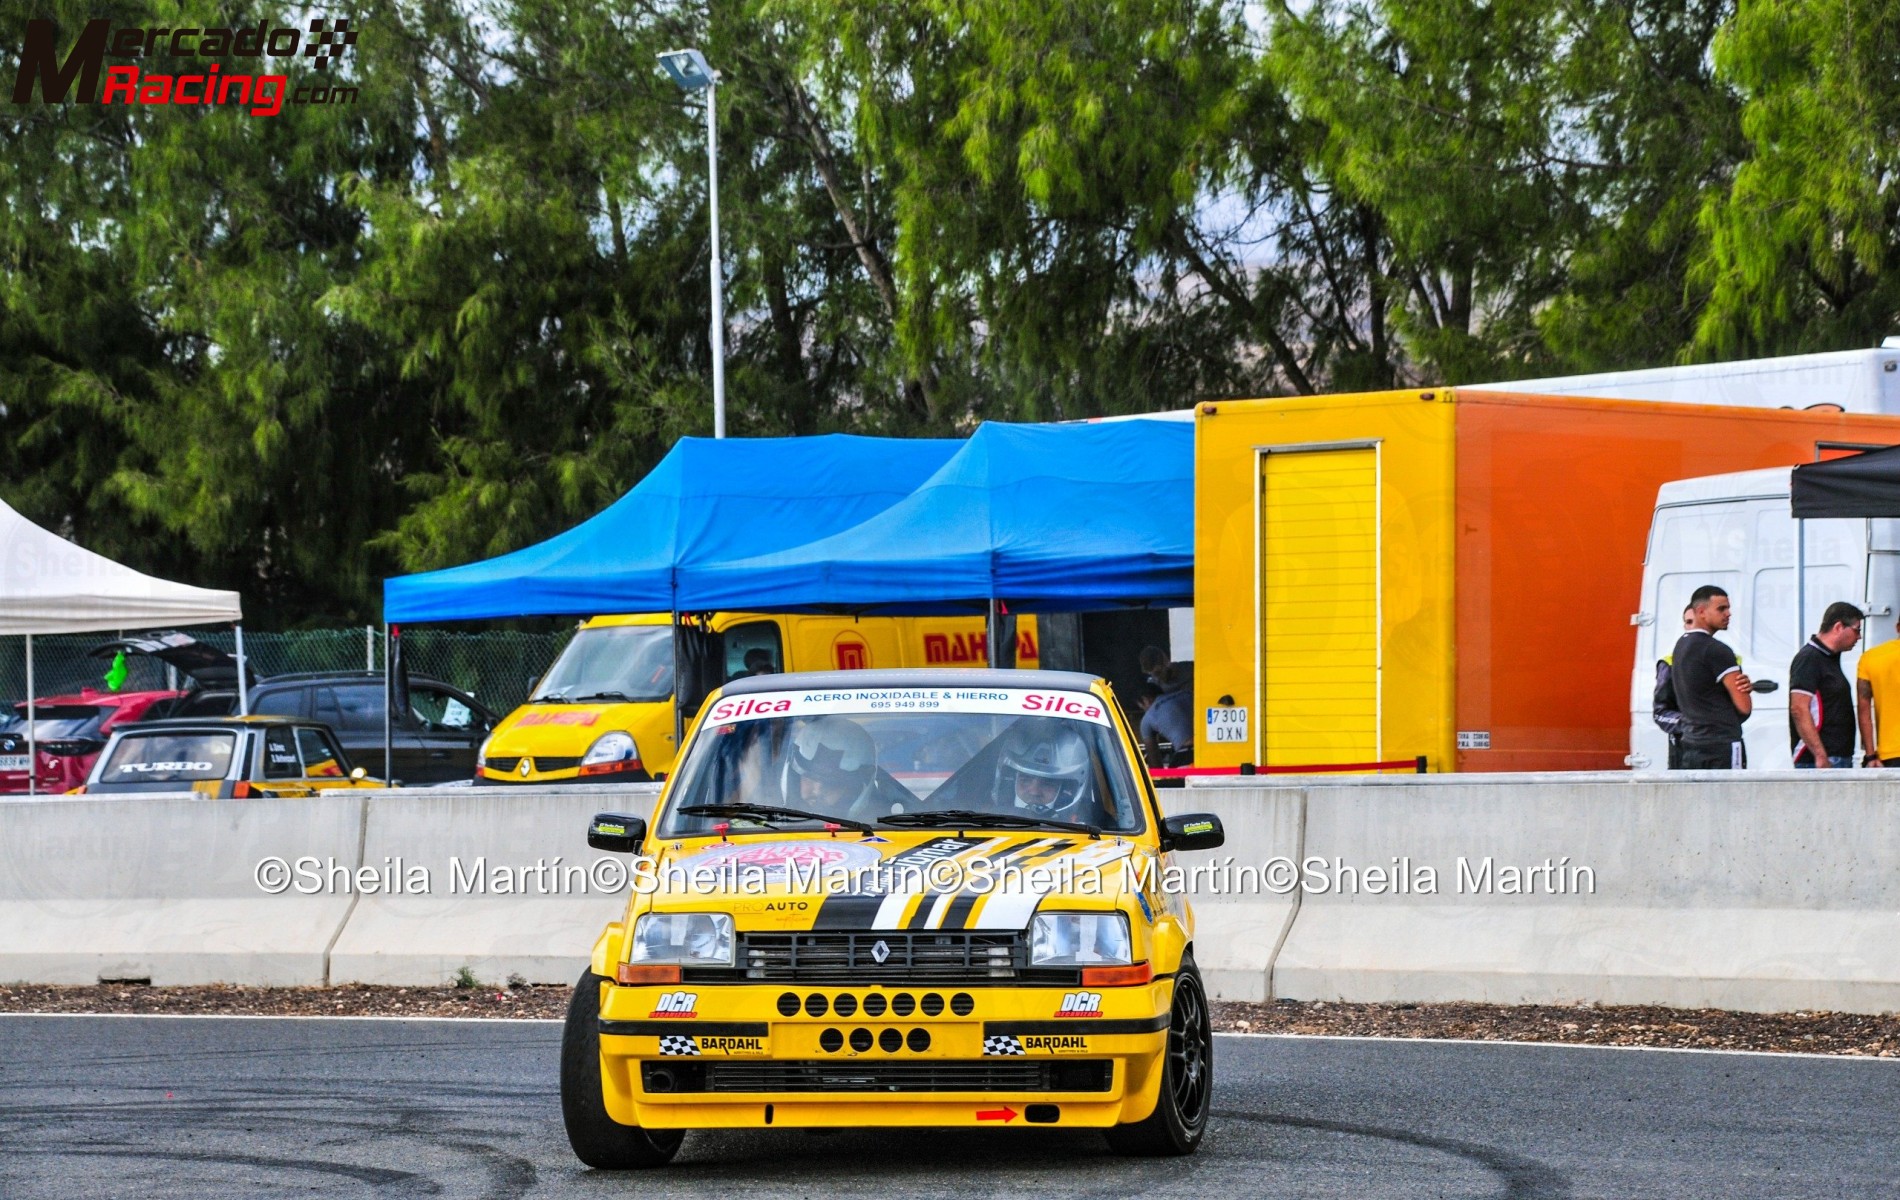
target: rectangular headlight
1079 940
686 938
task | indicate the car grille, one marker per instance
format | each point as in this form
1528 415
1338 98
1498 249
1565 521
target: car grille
940 956
542 762
946 1075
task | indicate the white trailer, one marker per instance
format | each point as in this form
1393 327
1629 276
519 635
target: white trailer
1859 381
1736 531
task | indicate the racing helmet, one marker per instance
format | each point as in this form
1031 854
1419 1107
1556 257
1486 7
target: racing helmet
835 750
1046 749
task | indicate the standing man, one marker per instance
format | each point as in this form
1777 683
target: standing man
1877 684
1820 717
1711 690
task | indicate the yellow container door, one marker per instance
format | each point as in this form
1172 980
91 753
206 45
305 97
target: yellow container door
1319 606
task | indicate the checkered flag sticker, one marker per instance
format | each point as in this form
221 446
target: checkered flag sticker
326 43
674 1043
1003 1044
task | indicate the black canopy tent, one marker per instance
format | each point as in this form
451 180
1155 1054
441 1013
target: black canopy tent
1860 486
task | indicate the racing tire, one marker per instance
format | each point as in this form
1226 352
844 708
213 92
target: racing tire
599 1140
1187 1078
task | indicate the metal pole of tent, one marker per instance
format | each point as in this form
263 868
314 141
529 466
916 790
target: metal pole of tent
679 716
369 647
389 700
32 740
244 691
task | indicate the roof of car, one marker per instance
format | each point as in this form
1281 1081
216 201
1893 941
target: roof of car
252 721
1062 681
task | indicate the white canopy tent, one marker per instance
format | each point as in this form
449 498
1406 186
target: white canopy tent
50 585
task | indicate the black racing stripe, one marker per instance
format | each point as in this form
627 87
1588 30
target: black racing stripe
1011 853
958 914
1076 1025
847 911
685 1028
922 914
1060 848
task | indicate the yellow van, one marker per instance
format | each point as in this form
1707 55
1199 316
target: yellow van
604 711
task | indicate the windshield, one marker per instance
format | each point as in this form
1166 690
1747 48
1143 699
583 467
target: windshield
168 758
896 756
611 662
64 723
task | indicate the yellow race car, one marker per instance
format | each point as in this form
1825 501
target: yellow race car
916 898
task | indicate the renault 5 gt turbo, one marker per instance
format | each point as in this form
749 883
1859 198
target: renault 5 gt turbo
907 898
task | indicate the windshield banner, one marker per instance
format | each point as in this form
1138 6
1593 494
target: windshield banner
1080 706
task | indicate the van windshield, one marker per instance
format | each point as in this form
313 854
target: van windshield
611 662
896 757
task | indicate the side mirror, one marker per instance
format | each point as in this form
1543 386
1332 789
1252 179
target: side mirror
1194 831
616 833
359 773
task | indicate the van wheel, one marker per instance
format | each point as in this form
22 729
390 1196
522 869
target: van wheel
598 1139
1187 1078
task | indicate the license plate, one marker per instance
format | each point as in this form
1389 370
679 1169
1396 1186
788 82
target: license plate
13 762
1226 724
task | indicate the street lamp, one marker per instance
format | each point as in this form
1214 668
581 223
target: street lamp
690 70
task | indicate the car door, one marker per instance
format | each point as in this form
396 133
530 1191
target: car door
449 730
354 711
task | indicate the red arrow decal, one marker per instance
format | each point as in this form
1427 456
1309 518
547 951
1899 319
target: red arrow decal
996 1114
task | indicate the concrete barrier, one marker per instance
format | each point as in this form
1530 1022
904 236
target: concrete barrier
510 887
1238 932
163 888
1759 894
1764 892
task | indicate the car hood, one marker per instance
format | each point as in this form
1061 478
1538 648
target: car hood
564 730
936 879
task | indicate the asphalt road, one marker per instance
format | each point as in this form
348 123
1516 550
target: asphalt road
201 1108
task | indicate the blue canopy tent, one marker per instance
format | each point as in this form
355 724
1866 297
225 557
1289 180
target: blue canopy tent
706 501
1055 518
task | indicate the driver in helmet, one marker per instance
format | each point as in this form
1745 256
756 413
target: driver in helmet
832 769
1044 772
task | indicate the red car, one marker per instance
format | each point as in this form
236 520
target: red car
70 732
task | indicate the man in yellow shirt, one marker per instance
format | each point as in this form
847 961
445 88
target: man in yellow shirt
1877 692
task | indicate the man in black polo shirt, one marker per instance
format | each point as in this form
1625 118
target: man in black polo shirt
1711 690
1819 723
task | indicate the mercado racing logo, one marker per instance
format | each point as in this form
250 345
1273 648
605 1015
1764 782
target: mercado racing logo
248 84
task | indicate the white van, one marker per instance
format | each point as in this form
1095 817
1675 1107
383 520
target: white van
1858 381
1736 531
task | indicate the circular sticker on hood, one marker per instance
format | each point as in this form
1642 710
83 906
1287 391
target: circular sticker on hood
772 858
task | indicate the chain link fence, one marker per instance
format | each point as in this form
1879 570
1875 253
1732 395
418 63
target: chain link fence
497 667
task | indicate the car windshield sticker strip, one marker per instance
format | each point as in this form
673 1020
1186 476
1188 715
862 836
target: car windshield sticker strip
1079 706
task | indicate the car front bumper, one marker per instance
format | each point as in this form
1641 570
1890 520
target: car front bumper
726 1056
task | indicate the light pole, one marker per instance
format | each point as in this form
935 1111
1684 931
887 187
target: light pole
690 70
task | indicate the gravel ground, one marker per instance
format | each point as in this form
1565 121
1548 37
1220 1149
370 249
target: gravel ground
1702 1029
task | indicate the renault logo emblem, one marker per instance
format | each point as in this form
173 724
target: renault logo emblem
880 952
527 767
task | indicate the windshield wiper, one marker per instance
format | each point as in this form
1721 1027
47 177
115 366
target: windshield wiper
549 698
962 817
598 696
768 813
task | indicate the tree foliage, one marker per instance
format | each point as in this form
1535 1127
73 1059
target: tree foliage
295 354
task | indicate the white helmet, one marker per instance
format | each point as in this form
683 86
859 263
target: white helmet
834 750
1044 748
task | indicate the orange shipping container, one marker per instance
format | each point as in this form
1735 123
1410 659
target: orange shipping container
1386 575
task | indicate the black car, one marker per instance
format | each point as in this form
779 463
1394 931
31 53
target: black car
435 742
